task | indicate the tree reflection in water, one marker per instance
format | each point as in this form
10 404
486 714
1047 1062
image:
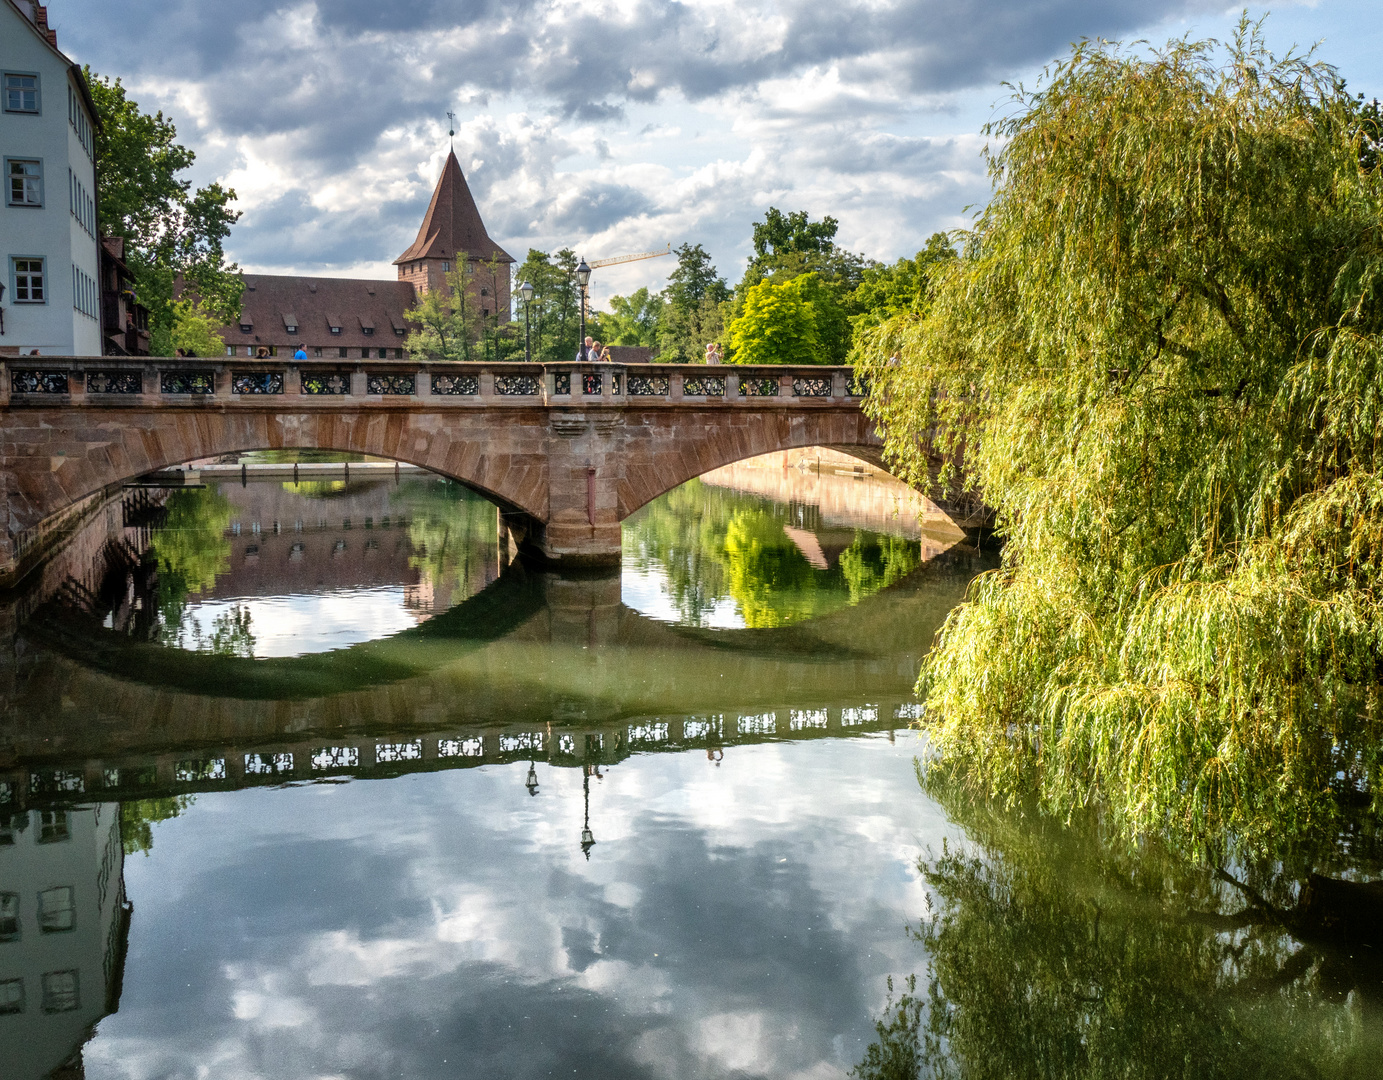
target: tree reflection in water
714 544
1056 951
190 550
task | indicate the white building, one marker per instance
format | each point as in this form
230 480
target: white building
63 926
49 257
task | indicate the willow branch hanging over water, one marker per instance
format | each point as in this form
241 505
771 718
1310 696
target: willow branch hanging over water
1161 356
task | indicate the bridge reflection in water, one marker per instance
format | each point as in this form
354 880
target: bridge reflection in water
104 720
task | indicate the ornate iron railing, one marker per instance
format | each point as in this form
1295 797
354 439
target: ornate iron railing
109 382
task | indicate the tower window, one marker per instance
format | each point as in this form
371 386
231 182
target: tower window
446 267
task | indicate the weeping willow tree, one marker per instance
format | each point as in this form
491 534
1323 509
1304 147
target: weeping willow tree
1159 360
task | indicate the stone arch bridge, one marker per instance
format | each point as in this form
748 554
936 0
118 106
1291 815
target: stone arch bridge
566 451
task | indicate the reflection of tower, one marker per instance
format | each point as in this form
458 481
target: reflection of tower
587 837
64 923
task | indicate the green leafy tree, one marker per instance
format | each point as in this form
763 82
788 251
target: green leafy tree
1057 949
887 291
171 232
1161 354
555 310
138 817
631 320
194 329
777 325
190 550
449 322
792 246
691 317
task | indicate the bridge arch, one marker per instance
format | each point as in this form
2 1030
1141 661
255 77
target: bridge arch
708 443
500 460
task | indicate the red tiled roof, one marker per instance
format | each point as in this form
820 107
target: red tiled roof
270 300
452 223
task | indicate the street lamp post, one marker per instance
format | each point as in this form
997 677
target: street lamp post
526 294
587 837
583 278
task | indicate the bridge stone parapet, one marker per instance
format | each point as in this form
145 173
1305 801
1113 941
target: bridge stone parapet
568 451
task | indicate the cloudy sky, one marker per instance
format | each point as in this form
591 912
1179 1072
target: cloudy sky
614 126
734 920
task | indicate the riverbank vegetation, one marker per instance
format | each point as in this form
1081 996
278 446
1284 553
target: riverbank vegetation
1160 353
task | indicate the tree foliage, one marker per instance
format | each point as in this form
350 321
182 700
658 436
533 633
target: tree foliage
1160 354
449 322
632 320
555 310
194 329
171 232
777 325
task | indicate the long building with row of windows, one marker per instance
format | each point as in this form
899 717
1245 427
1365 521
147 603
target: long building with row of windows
50 294
360 319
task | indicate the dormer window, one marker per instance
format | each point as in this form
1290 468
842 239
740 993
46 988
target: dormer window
247 328
367 330
335 329
292 328
398 331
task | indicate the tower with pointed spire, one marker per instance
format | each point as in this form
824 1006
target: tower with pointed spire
452 234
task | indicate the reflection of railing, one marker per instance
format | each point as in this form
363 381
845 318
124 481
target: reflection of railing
330 383
185 772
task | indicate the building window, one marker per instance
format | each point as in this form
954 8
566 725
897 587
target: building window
367 330
316 351
398 354
470 268
21 92
364 354
343 352
11 996
76 116
335 329
25 176
60 991
29 286
56 911
484 292
85 294
292 329
9 916
52 827
398 331
446 267
230 350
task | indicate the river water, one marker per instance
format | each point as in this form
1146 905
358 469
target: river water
315 779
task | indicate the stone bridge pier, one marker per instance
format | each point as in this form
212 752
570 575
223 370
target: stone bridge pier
567 452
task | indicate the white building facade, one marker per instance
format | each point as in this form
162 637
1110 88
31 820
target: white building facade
49 255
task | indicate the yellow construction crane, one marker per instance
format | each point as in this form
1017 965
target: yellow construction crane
595 264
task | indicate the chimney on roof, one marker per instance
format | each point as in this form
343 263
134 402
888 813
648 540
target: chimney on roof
311 286
40 18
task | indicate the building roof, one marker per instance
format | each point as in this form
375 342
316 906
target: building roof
273 302
452 223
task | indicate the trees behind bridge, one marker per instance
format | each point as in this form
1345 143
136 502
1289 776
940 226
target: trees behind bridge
1162 354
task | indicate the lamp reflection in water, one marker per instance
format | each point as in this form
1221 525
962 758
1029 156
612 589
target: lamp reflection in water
532 782
587 837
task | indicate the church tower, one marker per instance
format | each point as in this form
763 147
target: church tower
452 234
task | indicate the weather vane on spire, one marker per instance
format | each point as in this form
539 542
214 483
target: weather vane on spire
451 131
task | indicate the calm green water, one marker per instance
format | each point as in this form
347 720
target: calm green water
313 781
